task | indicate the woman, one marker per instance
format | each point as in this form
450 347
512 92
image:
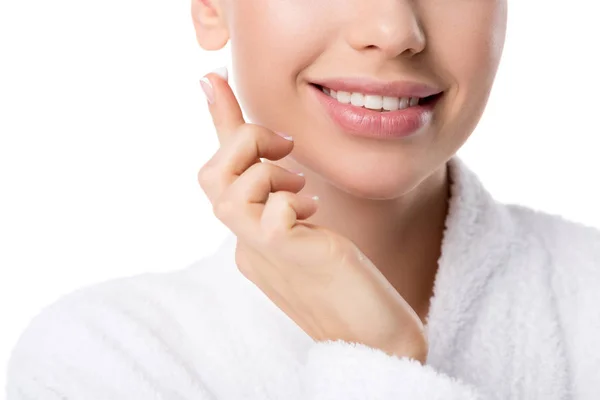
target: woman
404 279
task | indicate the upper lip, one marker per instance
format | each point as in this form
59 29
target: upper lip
381 88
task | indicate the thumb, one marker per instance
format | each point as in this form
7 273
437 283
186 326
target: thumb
223 105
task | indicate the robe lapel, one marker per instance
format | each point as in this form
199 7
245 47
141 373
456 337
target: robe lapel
492 320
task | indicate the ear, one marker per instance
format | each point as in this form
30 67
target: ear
210 24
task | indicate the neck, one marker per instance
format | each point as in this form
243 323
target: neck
401 236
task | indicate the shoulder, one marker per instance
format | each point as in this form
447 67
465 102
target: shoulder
573 266
573 248
569 251
117 339
570 256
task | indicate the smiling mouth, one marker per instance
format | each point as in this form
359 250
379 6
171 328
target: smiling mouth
386 104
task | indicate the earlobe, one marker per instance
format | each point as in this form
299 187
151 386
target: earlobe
209 23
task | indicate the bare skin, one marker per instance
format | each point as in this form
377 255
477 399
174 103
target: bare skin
388 197
318 277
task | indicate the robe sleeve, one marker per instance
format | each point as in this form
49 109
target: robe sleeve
341 370
84 349
80 349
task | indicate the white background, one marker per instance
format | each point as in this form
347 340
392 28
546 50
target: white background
103 129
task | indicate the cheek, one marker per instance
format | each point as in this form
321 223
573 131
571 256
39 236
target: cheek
468 47
272 42
481 42
467 36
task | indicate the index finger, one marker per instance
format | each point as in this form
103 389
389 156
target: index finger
224 109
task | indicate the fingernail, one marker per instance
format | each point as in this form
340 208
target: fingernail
283 135
222 72
207 89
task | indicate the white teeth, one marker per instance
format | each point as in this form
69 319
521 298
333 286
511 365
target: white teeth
357 99
391 103
343 97
372 102
403 103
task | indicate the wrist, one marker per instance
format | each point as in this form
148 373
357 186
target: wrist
415 348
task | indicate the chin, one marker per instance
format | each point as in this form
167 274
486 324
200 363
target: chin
375 183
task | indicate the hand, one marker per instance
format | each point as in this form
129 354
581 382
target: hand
319 278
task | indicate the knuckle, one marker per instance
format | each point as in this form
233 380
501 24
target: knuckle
281 198
206 174
273 233
251 132
260 170
222 208
256 135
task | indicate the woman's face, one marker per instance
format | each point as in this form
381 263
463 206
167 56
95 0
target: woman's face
280 46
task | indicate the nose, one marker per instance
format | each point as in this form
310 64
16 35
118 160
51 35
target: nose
391 27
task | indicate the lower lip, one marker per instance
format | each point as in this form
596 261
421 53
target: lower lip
360 121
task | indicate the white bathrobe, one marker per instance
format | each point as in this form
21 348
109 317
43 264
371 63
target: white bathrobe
515 314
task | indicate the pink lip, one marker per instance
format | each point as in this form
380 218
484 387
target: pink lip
361 121
368 86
